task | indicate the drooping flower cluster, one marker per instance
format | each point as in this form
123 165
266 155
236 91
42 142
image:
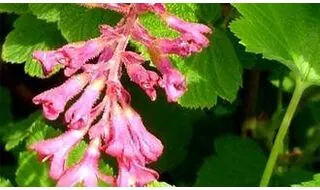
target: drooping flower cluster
103 108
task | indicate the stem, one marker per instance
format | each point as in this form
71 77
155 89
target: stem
300 87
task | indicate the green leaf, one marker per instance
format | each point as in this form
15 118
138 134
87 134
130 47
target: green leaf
216 71
30 34
40 130
76 153
313 183
45 11
5 183
238 162
14 8
76 22
14 133
31 172
293 176
80 23
209 12
288 33
158 184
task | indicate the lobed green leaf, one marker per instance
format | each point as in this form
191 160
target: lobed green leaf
288 33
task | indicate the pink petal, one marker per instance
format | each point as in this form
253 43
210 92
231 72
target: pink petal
58 149
79 113
54 101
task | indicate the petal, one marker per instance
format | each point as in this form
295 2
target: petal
79 113
53 101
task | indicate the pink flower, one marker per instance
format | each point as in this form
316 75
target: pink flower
141 35
129 138
152 7
57 150
53 101
132 173
49 59
121 144
150 147
147 80
86 171
174 84
194 31
102 128
77 54
182 46
172 81
79 113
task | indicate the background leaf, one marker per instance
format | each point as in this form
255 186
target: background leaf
5 182
18 8
80 23
49 12
31 172
16 132
238 162
287 33
313 183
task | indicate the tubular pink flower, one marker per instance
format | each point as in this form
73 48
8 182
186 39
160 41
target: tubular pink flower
79 113
121 143
86 171
182 46
57 149
53 101
129 138
141 35
147 80
173 81
133 174
150 147
194 30
49 59
77 54
102 128
152 7
118 7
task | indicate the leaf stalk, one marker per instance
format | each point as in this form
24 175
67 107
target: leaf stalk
278 144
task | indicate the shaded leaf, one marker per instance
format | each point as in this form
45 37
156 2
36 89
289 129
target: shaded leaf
238 162
31 172
18 8
14 133
312 183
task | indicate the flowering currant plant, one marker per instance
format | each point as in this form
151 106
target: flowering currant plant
96 66
134 94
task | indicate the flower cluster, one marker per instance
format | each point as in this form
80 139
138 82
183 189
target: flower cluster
103 110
